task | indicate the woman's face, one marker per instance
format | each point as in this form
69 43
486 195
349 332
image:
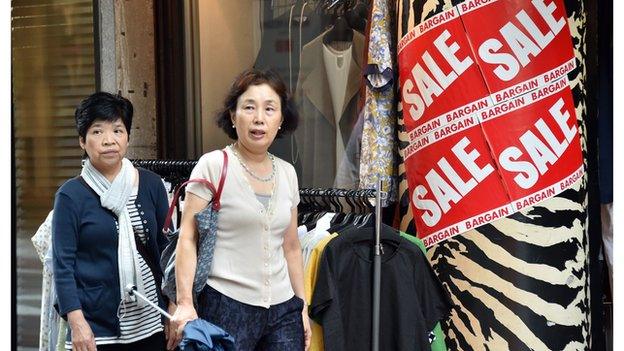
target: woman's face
106 143
257 117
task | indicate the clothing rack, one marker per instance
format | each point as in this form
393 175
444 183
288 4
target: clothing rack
320 198
173 171
334 199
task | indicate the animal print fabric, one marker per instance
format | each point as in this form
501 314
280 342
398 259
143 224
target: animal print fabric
520 283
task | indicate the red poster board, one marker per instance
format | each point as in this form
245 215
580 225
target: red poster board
492 123
519 40
454 179
438 74
541 142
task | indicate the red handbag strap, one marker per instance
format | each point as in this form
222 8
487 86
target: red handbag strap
216 199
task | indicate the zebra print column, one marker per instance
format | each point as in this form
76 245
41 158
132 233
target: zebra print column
520 283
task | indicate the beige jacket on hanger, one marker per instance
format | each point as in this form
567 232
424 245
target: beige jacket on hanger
316 134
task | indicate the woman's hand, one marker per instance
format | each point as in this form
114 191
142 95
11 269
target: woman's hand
185 312
81 333
169 331
186 264
307 330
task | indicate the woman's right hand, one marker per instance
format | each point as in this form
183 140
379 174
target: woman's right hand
81 333
184 313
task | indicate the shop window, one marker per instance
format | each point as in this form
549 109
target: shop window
318 50
52 70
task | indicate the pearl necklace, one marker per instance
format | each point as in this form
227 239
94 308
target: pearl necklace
250 172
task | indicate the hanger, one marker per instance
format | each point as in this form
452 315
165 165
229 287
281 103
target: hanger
322 205
356 214
335 196
306 207
334 200
309 218
368 217
359 208
340 31
366 208
357 16
343 220
350 213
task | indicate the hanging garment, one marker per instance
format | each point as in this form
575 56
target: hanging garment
321 131
311 239
437 344
412 299
309 282
301 231
378 155
337 66
49 321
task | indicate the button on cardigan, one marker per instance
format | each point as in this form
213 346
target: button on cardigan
249 263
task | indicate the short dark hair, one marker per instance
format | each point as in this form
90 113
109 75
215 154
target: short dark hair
103 106
256 77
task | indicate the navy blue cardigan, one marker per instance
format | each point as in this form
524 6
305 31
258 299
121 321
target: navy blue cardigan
84 239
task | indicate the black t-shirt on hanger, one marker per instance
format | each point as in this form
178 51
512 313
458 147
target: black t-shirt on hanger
412 298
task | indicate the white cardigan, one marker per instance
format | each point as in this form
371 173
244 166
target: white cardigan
249 264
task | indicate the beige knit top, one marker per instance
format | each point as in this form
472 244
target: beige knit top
249 263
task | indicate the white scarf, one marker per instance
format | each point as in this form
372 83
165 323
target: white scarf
114 196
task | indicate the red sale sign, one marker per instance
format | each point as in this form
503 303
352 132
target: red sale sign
541 141
519 39
489 113
438 73
450 173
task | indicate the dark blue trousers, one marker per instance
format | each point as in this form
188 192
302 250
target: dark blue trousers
255 328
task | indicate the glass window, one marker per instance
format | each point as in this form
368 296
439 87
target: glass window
53 69
318 48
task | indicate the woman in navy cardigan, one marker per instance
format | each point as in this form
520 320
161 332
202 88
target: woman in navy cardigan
106 233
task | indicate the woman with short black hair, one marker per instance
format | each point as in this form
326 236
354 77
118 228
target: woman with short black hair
106 235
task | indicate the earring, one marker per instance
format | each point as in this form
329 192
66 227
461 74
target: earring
280 127
233 126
